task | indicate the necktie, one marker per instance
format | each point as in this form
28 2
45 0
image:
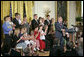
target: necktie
36 21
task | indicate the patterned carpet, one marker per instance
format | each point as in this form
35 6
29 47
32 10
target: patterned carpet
43 54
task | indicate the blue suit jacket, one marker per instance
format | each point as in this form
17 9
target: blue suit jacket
58 28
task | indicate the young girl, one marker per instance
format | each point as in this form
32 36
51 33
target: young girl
33 41
42 38
37 37
53 23
51 36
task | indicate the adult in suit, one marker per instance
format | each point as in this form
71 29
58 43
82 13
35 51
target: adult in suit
48 22
60 28
17 20
34 22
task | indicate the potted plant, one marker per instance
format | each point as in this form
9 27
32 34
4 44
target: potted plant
47 11
79 19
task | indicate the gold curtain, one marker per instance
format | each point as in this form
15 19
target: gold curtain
1 10
29 5
20 9
4 9
17 6
14 8
4 12
26 9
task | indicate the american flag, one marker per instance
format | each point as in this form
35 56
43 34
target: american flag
11 11
24 10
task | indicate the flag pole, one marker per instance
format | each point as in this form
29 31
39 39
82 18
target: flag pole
10 11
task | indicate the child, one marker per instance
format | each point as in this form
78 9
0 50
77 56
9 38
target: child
33 41
37 37
51 35
42 38
21 41
29 40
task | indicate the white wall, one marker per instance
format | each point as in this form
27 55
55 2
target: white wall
81 8
40 6
72 13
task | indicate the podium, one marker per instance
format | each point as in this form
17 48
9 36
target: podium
72 32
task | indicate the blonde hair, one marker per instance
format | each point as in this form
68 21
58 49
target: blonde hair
16 31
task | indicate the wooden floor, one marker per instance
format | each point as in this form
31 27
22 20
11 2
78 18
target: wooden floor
43 54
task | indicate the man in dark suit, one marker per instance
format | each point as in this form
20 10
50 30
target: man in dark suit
48 40
60 28
48 22
17 20
34 22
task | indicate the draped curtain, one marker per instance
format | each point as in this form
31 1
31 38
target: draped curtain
17 6
28 6
5 8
